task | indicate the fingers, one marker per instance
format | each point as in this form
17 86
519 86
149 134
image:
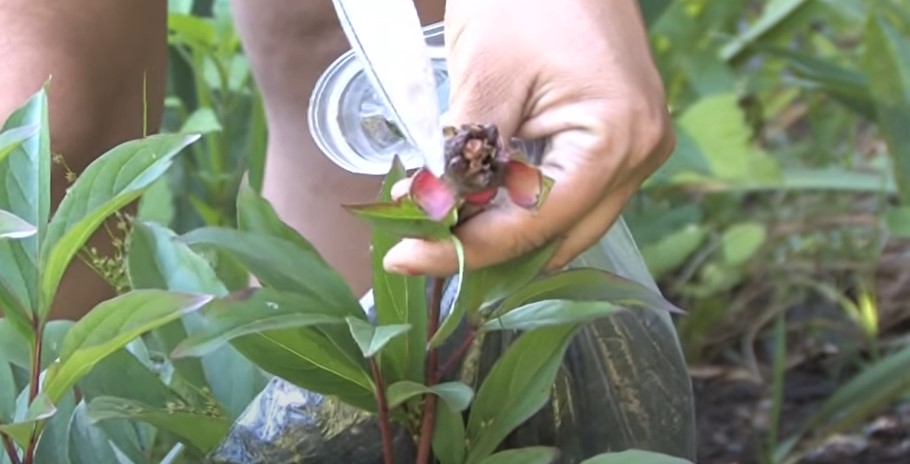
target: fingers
591 228
506 231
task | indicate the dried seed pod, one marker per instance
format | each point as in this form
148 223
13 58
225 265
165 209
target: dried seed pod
478 164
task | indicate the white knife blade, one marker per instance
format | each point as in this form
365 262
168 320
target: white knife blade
387 38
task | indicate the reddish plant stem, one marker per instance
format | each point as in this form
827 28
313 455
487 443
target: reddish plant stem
388 453
10 449
456 357
34 385
429 405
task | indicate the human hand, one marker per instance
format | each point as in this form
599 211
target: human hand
578 72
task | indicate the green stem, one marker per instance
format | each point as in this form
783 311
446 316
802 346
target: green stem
429 405
388 454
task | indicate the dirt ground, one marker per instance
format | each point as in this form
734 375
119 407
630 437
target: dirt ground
733 413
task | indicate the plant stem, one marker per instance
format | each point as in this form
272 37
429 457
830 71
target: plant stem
34 385
388 455
36 362
457 356
10 449
429 405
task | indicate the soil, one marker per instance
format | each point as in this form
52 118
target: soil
733 414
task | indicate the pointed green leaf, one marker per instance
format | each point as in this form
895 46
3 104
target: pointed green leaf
456 394
16 347
550 312
398 299
11 139
887 63
372 339
194 428
529 455
53 445
157 259
110 326
588 284
256 310
517 386
87 444
404 218
39 411
25 192
108 184
491 284
13 227
312 360
279 263
635 456
448 435
256 214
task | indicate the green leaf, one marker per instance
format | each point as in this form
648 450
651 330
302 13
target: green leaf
529 455
588 284
457 395
310 359
194 428
256 214
849 86
372 339
110 326
279 263
253 311
11 139
108 184
448 436
898 220
157 259
39 411
887 63
403 218
398 299
88 444
718 127
7 390
635 456
740 242
53 445
549 313
17 348
25 192
490 285
673 249
775 13
157 203
202 121
517 386
13 227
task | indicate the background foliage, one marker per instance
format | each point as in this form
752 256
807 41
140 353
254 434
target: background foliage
780 223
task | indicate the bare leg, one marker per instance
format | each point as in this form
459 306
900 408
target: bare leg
96 52
289 44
